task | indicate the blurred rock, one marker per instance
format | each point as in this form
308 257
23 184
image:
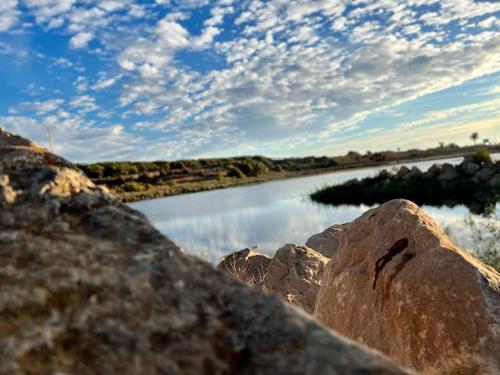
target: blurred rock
90 287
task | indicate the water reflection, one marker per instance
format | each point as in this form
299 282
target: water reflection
214 223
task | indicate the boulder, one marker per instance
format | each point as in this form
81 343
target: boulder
402 171
397 284
495 180
470 168
295 274
433 171
246 265
326 242
448 172
414 173
90 287
484 174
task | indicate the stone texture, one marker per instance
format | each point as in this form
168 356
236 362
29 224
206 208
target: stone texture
448 172
484 174
470 168
397 284
90 287
326 242
402 171
295 274
433 171
246 265
414 173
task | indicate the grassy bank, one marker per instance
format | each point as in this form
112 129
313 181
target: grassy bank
133 181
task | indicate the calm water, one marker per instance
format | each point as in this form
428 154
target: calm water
269 215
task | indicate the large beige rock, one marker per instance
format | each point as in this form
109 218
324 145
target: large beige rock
295 274
248 266
88 286
326 242
397 284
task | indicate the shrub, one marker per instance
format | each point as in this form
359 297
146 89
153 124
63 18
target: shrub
251 167
482 156
134 186
93 170
233 171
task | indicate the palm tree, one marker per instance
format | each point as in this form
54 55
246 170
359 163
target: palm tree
474 136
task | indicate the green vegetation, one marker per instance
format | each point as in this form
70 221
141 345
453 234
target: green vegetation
482 156
485 237
142 180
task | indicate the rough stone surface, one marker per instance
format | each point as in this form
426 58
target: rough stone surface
414 172
397 284
484 174
403 170
295 274
470 168
448 172
326 242
90 287
246 265
433 171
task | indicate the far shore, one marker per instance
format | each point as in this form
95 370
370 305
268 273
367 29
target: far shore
165 191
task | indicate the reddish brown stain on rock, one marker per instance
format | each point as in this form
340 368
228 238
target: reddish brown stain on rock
394 250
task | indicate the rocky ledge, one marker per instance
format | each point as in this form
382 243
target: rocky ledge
90 287
395 282
475 182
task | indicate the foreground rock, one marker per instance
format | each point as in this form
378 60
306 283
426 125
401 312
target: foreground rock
246 265
397 284
89 287
295 274
326 242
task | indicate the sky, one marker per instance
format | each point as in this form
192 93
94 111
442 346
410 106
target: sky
167 79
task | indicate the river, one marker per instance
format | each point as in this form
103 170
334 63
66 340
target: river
268 215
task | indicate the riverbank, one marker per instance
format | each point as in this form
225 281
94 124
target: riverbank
137 181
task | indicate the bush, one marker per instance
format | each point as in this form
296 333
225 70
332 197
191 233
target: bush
93 170
134 186
482 156
251 167
233 171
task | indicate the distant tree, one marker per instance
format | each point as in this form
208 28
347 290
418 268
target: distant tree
486 141
441 144
474 136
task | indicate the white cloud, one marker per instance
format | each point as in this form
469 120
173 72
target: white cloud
8 14
81 40
263 71
84 104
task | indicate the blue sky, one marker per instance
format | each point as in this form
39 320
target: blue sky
165 79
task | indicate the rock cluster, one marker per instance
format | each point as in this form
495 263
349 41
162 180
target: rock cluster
90 287
294 273
486 171
397 284
474 183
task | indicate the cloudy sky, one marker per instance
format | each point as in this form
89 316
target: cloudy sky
167 79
